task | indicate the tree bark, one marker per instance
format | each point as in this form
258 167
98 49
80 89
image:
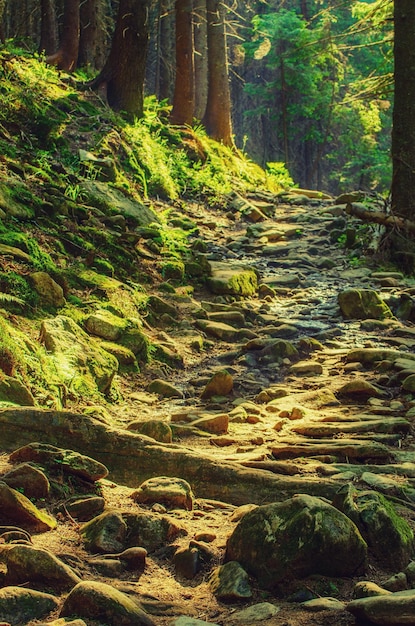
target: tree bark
123 73
48 27
67 56
378 217
165 51
217 119
92 34
201 64
184 92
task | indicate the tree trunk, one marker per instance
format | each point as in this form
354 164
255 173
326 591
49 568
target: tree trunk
165 51
217 118
201 63
67 56
124 72
48 27
184 93
92 34
401 248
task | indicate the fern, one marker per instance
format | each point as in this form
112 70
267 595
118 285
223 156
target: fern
7 298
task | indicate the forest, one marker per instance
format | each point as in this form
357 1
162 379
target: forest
305 84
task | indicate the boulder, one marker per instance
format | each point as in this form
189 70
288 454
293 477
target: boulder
232 279
21 605
164 389
298 537
363 304
102 602
105 533
106 325
85 509
389 536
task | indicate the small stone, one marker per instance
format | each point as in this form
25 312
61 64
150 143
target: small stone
229 582
221 384
323 604
172 492
84 509
255 613
187 562
216 424
156 429
398 582
367 589
164 389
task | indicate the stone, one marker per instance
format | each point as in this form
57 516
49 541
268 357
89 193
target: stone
395 609
389 536
68 461
156 429
51 294
150 530
80 363
408 384
368 589
21 605
29 479
159 306
172 492
233 318
85 509
306 368
105 533
323 604
301 536
216 423
220 384
219 330
371 356
363 304
164 389
13 391
187 562
362 388
183 620
255 613
102 602
230 582
108 198
125 356
17 509
106 325
34 565
232 279
397 582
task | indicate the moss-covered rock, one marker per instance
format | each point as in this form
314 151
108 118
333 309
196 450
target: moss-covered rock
299 537
363 304
108 199
51 294
12 391
80 363
104 324
231 279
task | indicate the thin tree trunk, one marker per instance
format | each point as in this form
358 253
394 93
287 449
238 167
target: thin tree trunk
217 118
201 61
164 72
184 92
67 56
48 27
92 34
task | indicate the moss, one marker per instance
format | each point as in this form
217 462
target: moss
173 270
15 285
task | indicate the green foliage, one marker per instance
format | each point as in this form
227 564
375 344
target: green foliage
15 285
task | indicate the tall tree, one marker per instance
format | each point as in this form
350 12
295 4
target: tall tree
165 51
184 89
201 64
124 71
66 56
217 117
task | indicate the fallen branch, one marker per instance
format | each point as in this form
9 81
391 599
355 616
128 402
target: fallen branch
379 217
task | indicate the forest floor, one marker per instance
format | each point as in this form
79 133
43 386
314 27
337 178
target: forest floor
307 269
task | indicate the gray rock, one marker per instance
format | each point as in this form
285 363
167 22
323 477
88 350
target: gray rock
299 537
102 602
105 533
255 613
164 389
187 562
233 279
85 509
363 304
323 604
156 429
183 620
230 582
32 481
13 391
106 325
398 582
21 605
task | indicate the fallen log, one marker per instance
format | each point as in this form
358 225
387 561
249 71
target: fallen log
132 458
379 217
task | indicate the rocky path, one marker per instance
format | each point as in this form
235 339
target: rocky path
294 374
